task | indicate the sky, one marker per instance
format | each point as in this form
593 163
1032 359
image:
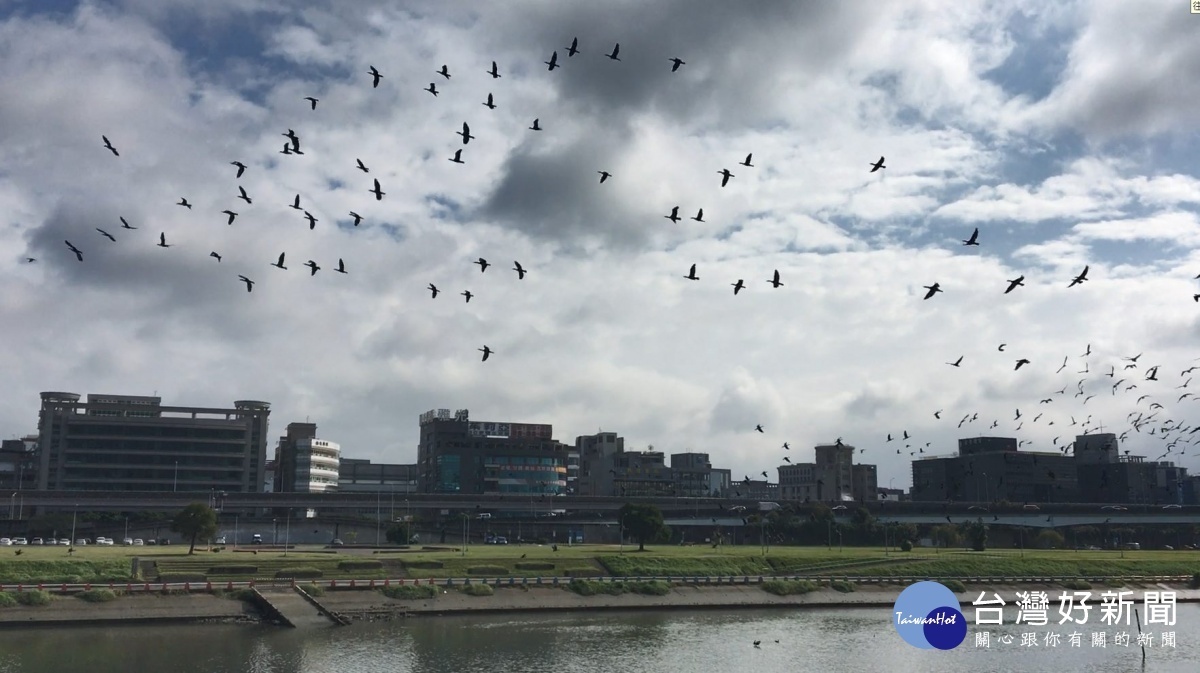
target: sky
1066 133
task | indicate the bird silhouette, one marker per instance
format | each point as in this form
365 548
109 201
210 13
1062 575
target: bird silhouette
432 88
692 274
106 234
444 72
214 254
486 352
110 147
760 429
465 133
675 63
519 269
490 104
341 266
1020 363
616 50
457 158
1019 281
1080 278
1001 348
434 290
699 216
877 165
279 262
296 203
78 253
249 283
494 72
124 224
725 172
312 100
974 239
467 294
312 221
375 76
737 287
243 195
361 166
957 362
376 191
535 126
775 282
747 161
553 62
312 265
574 48
231 215
933 289
357 218
184 202
240 166
483 264
674 216
162 241
604 175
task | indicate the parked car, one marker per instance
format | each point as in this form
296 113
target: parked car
220 540
51 540
127 541
100 539
5 542
81 542
36 540
107 541
64 542
501 540
337 542
20 540
137 542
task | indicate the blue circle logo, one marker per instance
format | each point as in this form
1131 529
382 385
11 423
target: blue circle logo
927 615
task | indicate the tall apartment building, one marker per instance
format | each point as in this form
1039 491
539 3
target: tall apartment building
597 462
304 463
692 474
134 443
19 463
458 455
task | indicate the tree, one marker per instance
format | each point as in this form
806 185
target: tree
945 535
1049 539
196 521
977 535
644 523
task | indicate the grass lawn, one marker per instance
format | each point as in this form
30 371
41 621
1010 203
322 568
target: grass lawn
51 564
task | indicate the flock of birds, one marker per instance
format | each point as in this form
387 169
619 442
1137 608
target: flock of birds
1175 434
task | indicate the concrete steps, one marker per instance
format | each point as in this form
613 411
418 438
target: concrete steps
294 609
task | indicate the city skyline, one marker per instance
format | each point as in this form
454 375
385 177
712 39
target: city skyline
1039 128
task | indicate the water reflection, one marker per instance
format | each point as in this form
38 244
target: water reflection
595 642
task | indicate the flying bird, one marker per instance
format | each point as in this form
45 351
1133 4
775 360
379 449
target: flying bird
483 264
312 221
574 48
433 288
1019 281
489 104
615 51
375 77
249 283
1020 362
361 166
379 192
604 175
465 133
675 63
457 158
78 253
699 216
553 62
974 239
243 195
296 204
933 289
760 429
312 100
341 266
747 161
535 126
674 216
467 294
956 362
725 172
737 287
106 234
214 254
1001 348
775 282
1080 278
109 146
162 241
877 165
494 72
519 269
692 274
240 166
279 263
124 224
444 72
312 265
357 218
184 202
486 352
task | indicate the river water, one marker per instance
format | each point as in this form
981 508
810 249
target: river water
711 641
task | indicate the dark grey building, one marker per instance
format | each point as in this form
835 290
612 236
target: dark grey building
989 469
458 455
134 443
361 475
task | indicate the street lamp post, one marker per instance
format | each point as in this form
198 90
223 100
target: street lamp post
378 514
12 505
175 481
74 512
287 532
235 530
126 529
